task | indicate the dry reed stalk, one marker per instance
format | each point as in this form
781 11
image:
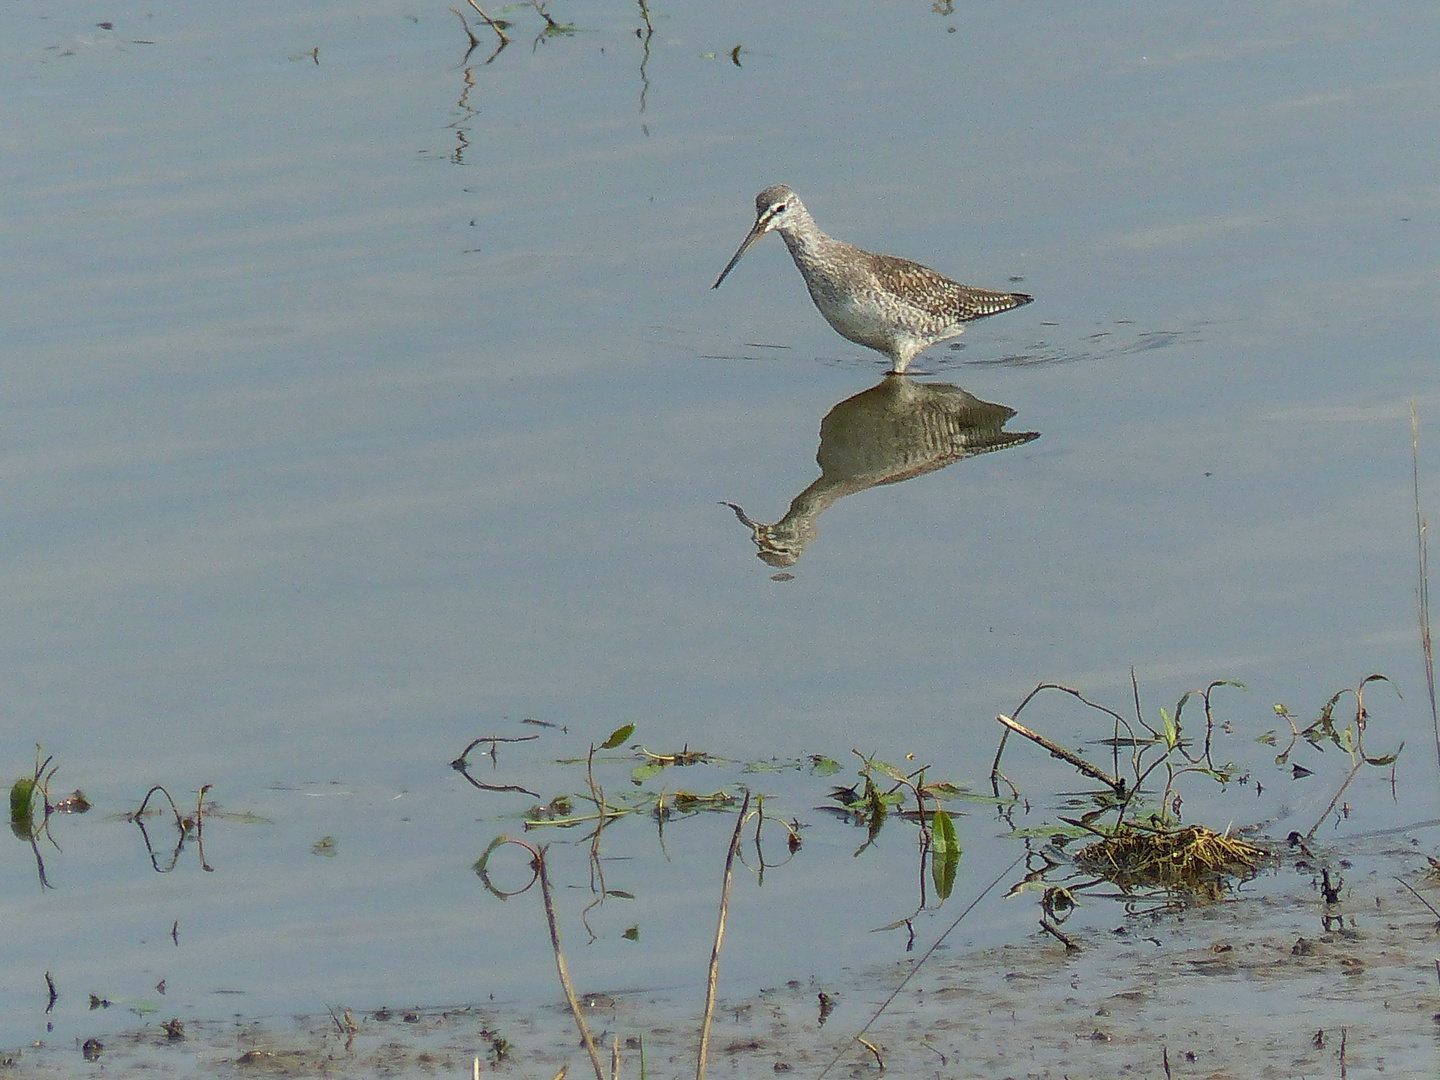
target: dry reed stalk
714 973
490 23
563 972
1056 750
1422 544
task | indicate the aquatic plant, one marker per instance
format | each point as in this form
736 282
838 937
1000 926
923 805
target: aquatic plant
1139 839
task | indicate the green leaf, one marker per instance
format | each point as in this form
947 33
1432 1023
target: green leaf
618 736
482 864
944 853
1171 729
943 789
326 846
633 934
1386 759
884 768
896 925
21 796
641 773
820 765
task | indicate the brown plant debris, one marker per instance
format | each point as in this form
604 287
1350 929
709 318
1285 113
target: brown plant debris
1189 858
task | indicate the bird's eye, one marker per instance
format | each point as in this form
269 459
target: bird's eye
779 208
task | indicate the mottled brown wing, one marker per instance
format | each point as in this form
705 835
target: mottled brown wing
945 300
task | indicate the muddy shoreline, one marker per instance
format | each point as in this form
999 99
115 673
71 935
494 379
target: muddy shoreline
1273 982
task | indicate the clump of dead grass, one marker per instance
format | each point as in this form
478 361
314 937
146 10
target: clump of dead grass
1192 858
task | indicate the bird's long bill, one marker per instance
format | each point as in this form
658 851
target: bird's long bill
757 230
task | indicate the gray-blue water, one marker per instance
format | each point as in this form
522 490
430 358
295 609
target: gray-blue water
362 397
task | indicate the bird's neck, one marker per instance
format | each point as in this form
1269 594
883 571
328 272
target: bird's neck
804 238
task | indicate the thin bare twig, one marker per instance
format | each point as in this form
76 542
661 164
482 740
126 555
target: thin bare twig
1358 758
561 969
714 973
490 23
1422 527
995 774
1056 750
1422 900
200 828
915 968
1055 932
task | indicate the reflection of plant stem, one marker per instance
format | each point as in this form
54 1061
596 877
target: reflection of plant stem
494 741
597 796
1402 881
644 37
759 854
872 1048
39 785
138 814
183 826
462 764
1350 739
474 41
1423 595
714 973
915 968
40 863
200 828
468 32
561 969
597 877
927 847
1354 768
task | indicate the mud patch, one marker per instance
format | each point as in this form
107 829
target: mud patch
1275 984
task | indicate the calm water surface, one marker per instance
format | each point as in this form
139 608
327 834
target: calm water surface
364 396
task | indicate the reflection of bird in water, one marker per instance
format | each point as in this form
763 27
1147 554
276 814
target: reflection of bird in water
895 306
893 431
